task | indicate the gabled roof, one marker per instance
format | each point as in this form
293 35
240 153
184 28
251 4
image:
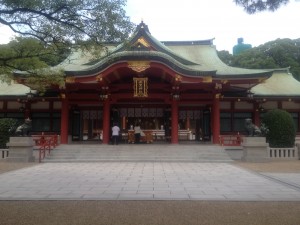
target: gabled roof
13 89
206 58
281 83
188 58
143 40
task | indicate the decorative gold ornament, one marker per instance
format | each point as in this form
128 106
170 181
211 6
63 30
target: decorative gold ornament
99 78
140 87
218 96
143 42
70 79
207 79
138 66
178 78
224 81
218 86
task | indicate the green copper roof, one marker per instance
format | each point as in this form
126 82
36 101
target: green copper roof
281 83
13 89
190 58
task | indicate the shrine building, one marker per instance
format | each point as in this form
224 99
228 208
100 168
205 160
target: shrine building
176 90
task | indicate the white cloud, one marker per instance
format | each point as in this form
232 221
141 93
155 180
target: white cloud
5 34
205 19
222 20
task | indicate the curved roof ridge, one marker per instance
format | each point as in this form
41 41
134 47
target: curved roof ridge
190 42
187 56
142 31
207 57
137 55
273 85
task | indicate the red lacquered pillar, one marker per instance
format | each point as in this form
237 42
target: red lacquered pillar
256 114
216 118
174 108
64 123
106 121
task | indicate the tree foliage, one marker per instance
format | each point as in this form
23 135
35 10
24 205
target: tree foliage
280 53
54 27
5 125
29 53
282 131
67 21
32 57
254 6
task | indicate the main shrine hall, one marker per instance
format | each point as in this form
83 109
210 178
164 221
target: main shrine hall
176 90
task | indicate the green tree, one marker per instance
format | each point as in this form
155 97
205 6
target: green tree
225 56
67 21
33 58
254 6
55 27
280 53
5 125
282 131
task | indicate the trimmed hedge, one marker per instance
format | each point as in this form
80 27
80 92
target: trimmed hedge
282 131
5 125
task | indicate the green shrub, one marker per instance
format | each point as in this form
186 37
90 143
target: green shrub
282 131
5 125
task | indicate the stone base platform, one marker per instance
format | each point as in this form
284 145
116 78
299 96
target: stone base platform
20 149
255 149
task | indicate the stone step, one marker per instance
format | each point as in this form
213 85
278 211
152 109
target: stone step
161 153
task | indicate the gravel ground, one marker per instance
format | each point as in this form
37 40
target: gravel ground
154 212
272 167
9 166
149 213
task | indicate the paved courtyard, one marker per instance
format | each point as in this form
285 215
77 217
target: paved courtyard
147 181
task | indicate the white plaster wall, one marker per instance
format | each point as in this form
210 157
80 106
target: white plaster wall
270 105
56 105
40 105
14 105
243 105
225 105
290 105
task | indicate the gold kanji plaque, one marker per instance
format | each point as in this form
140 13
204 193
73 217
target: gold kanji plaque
140 87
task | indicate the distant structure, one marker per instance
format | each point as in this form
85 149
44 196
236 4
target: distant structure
240 47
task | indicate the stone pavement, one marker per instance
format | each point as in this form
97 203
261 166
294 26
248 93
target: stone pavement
147 181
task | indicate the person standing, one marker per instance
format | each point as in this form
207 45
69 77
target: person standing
137 133
115 134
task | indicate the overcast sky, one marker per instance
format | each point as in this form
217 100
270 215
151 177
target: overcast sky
170 20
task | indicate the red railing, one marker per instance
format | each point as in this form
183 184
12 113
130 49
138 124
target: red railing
44 143
231 140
